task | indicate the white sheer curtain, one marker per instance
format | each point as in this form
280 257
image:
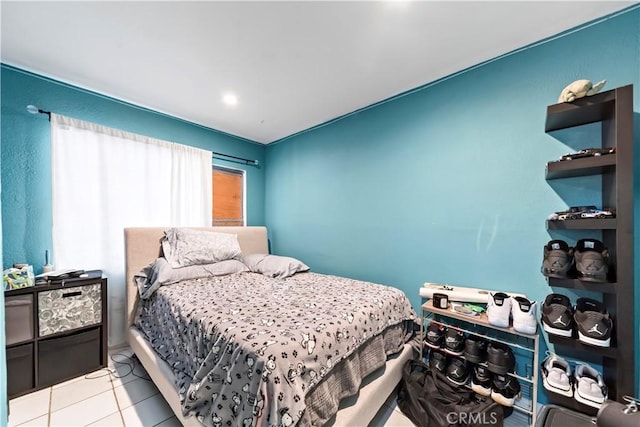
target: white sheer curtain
104 180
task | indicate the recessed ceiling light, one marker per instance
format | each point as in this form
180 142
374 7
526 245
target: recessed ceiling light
230 99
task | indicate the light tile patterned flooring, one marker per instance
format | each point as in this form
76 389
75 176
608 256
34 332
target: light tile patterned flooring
118 399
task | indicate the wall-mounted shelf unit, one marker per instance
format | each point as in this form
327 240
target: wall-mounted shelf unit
583 224
614 111
605 288
581 167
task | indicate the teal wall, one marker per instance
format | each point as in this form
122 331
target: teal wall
3 363
26 171
446 184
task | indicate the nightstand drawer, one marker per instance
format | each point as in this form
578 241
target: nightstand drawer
66 309
66 357
18 315
20 376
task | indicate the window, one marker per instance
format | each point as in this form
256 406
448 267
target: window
228 196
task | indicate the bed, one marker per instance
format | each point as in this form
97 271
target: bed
345 390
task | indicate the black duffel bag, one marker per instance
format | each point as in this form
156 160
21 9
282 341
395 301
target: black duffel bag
428 399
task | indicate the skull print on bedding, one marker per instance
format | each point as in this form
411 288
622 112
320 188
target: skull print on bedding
246 349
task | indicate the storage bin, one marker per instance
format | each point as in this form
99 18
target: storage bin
18 311
20 376
66 309
66 357
558 416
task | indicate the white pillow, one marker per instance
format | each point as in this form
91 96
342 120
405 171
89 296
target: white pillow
183 247
274 265
160 273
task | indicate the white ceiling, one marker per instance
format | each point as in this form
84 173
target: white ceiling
292 65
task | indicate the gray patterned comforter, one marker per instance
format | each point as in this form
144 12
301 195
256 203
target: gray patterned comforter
246 349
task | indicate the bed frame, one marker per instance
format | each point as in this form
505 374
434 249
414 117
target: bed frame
142 245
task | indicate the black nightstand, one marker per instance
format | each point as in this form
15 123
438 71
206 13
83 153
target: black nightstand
55 332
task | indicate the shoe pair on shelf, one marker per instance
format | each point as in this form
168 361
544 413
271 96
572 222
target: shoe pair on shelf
585 384
590 256
450 340
455 369
499 357
502 388
589 317
501 308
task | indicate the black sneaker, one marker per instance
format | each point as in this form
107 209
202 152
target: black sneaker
475 349
505 389
481 380
557 315
437 361
593 322
454 342
557 259
457 371
592 260
500 358
435 335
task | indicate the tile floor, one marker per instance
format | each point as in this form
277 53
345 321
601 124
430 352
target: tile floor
103 399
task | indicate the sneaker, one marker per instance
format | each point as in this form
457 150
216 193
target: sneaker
481 380
592 260
454 342
590 389
499 309
435 335
500 358
525 315
557 259
593 322
437 361
505 389
556 375
475 349
557 315
457 371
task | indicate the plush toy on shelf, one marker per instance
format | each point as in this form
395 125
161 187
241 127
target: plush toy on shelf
579 89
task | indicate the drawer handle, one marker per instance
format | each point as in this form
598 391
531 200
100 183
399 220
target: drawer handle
72 294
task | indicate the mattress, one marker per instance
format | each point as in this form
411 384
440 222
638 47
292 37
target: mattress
247 349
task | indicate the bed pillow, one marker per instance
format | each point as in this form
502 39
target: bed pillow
183 247
160 273
274 265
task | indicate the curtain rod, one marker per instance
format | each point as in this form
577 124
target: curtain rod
247 161
35 110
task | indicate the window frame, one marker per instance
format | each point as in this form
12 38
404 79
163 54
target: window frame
243 175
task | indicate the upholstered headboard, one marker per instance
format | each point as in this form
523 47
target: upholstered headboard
142 246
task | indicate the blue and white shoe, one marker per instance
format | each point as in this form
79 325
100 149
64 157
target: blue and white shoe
525 315
556 375
589 387
499 309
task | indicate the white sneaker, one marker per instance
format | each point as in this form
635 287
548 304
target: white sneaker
556 375
525 315
590 388
499 309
